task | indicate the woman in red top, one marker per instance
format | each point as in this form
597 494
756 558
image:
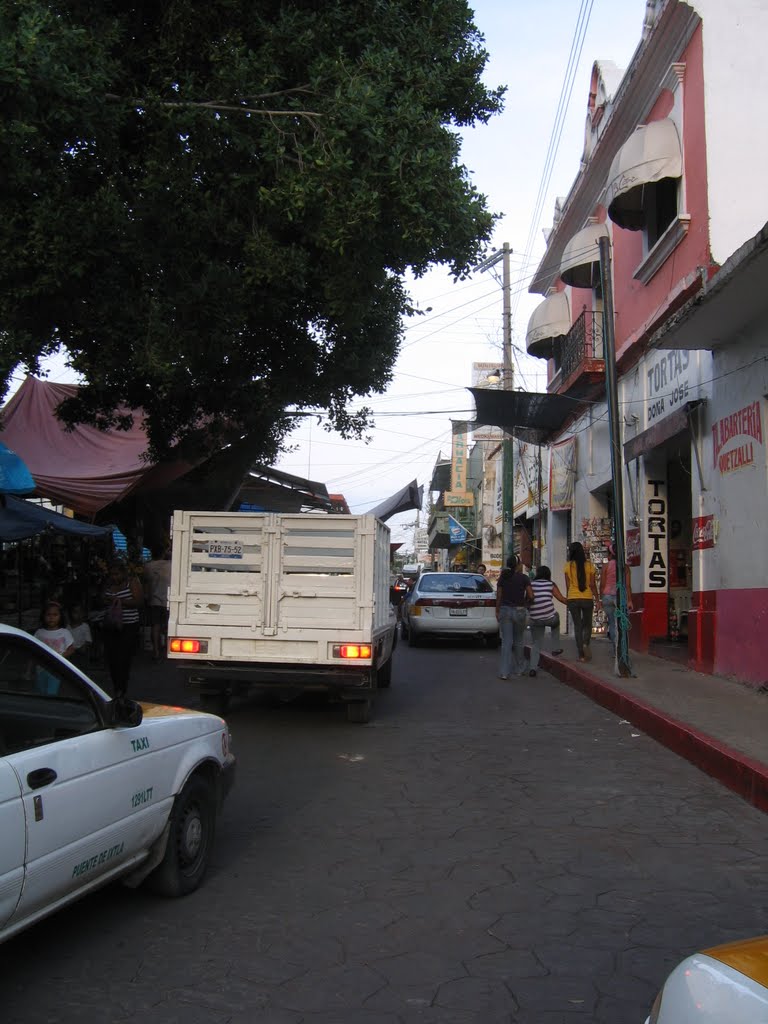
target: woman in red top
608 591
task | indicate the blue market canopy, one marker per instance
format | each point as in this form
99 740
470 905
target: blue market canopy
15 477
529 415
410 497
21 519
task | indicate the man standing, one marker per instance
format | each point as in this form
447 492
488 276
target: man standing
157 580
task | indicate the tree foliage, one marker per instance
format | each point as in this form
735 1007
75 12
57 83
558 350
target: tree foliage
211 206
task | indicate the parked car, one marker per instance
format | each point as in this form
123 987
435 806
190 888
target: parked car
94 789
445 604
727 983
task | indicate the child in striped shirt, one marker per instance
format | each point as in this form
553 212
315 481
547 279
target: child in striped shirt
542 614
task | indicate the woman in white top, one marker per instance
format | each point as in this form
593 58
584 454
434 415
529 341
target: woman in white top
542 614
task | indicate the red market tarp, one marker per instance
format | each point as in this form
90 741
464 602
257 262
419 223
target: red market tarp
84 469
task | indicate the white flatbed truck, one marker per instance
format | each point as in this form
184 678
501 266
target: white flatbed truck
289 603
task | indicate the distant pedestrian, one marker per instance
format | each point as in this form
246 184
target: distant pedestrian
542 613
513 595
581 593
123 597
157 580
81 634
608 591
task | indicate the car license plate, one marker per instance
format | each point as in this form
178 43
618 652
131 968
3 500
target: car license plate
457 611
225 549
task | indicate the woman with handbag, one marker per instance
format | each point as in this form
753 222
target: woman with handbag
123 597
513 595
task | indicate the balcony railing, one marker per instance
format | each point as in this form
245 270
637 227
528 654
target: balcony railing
584 341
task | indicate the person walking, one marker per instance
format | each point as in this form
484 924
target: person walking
513 595
542 613
608 591
123 596
581 592
157 580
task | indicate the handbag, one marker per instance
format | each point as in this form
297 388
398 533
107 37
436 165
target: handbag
113 617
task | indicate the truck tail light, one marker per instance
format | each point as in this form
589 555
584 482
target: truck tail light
185 645
352 651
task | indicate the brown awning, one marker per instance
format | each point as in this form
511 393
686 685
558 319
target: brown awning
580 265
551 319
650 154
676 423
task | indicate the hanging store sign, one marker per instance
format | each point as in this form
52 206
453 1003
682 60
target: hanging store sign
453 500
562 474
456 532
459 456
737 439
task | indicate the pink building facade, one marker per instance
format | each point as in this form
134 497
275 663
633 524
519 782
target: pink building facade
673 175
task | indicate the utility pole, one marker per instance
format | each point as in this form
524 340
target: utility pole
617 469
508 384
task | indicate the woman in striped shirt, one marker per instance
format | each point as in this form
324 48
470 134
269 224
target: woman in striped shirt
542 614
123 596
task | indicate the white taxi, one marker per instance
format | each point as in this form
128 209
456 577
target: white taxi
94 789
726 984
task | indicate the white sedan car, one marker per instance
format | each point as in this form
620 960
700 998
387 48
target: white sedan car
726 984
93 789
451 604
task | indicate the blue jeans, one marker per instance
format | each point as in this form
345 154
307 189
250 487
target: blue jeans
512 629
537 636
609 607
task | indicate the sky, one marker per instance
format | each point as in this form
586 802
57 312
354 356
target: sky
522 160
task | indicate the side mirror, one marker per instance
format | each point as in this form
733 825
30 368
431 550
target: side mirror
126 712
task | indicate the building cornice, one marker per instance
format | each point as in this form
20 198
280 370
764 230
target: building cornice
638 92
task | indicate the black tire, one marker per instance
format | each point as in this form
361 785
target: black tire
384 675
190 840
215 703
413 641
359 712
493 641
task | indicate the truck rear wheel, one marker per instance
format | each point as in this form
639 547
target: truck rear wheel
359 712
384 675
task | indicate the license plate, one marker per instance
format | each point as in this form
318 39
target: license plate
225 548
457 611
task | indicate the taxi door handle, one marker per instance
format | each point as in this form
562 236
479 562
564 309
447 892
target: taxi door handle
41 777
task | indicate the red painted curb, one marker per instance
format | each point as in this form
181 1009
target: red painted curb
738 772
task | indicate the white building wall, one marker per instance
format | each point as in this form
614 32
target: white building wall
735 86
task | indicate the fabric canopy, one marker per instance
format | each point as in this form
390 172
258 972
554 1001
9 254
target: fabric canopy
581 257
84 469
15 477
650 154
531 416
551 319
21 519
410 497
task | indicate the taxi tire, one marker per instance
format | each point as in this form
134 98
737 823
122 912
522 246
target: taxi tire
190 840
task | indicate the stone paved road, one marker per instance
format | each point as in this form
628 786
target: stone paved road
482 852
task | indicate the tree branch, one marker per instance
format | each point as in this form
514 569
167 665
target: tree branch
217 105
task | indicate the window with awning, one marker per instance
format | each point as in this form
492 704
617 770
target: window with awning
643 183
549 321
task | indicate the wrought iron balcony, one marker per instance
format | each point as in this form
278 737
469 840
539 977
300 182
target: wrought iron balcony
580 357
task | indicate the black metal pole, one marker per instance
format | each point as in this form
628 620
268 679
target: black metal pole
617 473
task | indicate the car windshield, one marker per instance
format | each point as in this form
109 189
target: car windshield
454 583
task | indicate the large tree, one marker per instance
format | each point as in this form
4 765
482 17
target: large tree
211 206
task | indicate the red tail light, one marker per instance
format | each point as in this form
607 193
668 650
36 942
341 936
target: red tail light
184 645
352 651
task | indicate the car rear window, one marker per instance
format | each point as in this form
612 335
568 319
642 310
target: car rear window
454 583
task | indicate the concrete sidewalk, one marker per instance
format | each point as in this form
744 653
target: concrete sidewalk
719 725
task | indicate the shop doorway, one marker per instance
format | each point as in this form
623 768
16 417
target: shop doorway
680 542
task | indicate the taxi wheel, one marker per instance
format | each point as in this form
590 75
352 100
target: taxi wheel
190 841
